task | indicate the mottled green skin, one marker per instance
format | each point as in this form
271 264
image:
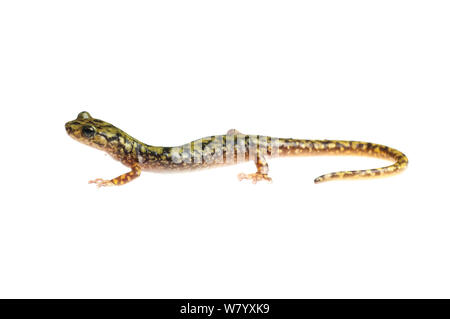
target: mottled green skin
231 148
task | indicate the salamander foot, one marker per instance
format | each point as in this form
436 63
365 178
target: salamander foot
101 182
255 177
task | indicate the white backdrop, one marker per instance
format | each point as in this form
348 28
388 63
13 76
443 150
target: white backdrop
168 72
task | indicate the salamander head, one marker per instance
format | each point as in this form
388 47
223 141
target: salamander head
92 132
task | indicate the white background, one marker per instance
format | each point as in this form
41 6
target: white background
168 72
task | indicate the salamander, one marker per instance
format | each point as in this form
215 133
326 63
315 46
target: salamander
231 148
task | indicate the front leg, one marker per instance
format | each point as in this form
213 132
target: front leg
262 170
120 180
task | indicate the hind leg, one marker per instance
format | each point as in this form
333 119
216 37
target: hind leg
262 170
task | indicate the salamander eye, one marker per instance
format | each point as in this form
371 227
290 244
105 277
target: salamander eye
88 131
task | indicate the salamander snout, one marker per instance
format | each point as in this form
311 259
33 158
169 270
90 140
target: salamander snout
68 128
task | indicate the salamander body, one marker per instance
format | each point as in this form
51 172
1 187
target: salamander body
231 148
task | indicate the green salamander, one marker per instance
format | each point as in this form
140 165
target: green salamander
231 148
